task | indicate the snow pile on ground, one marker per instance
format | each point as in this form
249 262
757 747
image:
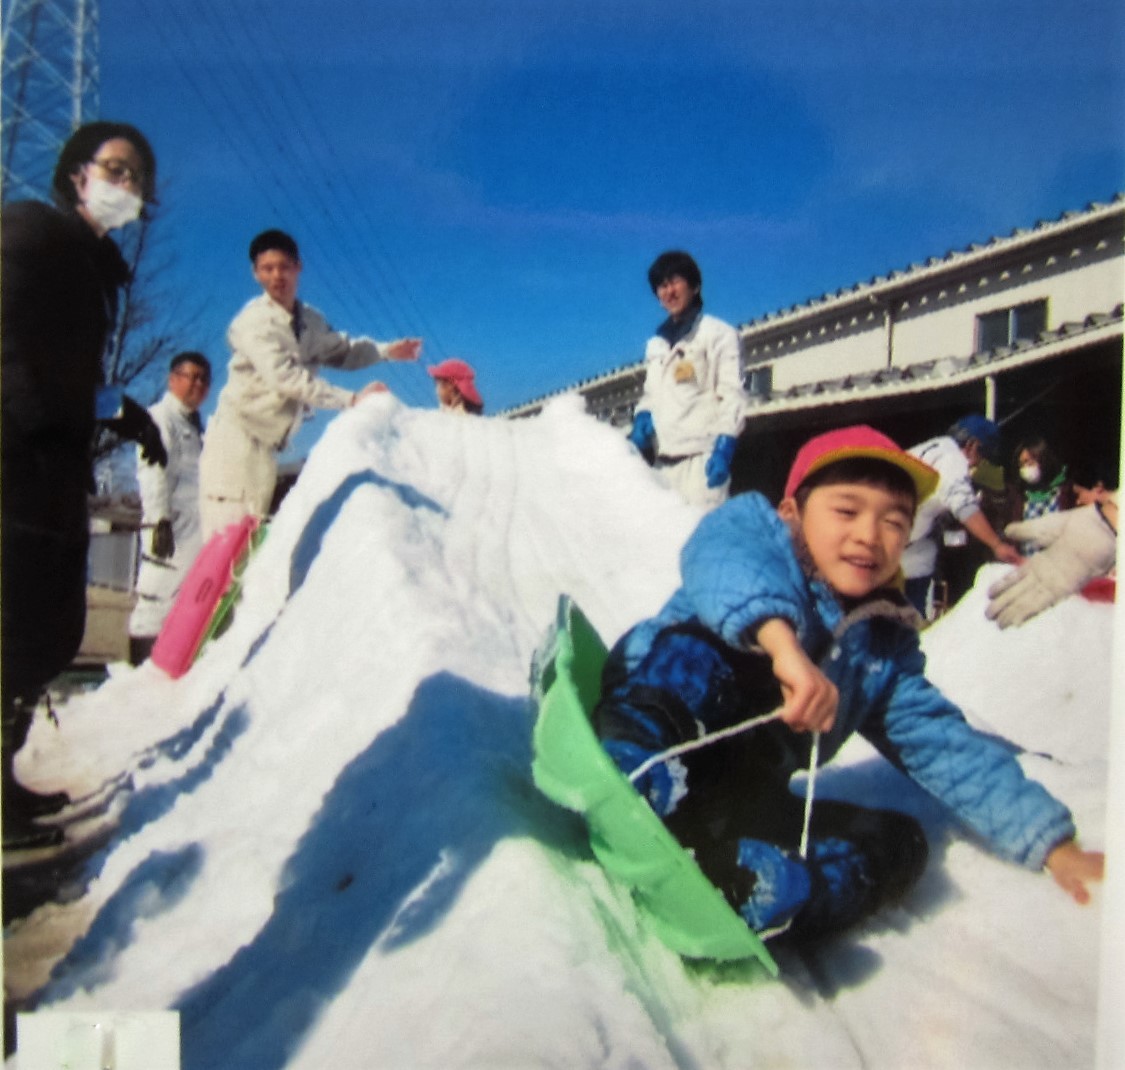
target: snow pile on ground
331 852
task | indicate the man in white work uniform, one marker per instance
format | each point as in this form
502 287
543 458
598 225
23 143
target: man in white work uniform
692 408
170 530
277 344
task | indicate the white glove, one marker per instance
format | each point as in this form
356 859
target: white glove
1078 546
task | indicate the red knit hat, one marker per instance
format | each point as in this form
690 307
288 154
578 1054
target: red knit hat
461 375
858 441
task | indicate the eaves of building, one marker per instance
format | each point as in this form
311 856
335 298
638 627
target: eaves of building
945 372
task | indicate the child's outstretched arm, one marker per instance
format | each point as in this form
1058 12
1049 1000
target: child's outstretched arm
1073 868
810 697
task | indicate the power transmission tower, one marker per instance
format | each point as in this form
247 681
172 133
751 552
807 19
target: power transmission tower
49 80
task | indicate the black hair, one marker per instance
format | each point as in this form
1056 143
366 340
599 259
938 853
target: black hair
80 148
867 470
473 408
672 263
1049 464
1087 474
273 239
189 356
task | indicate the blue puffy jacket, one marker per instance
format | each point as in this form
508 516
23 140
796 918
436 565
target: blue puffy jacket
740 568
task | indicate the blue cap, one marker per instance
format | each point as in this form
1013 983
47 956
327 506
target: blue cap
983 430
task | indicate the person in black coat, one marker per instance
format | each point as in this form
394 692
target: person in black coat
59 282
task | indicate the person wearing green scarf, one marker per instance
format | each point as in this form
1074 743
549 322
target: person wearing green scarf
1042 482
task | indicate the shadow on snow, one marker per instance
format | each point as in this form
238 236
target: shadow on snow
399 833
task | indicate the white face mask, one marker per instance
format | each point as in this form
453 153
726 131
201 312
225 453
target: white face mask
1030 473
111 206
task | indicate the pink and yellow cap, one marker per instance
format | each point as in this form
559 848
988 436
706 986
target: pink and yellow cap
858 440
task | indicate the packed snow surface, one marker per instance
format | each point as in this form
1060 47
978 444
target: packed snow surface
331 852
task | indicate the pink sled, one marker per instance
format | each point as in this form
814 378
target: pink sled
208 591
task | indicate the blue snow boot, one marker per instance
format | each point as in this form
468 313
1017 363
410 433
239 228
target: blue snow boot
779 888
851 881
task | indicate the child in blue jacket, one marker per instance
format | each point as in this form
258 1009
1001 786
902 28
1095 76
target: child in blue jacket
801 608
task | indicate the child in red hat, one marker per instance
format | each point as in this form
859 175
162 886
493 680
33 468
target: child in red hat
455 382
799 611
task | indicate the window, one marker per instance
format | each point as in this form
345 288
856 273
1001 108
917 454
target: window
759 381
1006 325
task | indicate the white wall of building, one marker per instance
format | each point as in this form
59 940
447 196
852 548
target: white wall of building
938 321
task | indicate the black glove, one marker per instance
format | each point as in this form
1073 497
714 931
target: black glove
163 544
135 424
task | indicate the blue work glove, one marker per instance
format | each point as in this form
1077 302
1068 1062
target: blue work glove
718 464
643 431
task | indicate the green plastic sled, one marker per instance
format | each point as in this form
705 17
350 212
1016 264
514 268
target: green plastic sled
570 766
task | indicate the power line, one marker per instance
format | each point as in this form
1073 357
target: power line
262 98
293 80
248 128
255 155
238 83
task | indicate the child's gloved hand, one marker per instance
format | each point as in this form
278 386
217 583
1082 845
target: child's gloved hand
1079 546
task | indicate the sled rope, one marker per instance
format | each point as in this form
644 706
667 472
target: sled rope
726 733
810 787
701 741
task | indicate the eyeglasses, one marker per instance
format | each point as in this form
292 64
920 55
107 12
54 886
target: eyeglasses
119 172
195 377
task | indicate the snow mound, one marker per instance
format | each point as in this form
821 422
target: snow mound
331 852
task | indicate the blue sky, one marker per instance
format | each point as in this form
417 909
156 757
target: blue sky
496 175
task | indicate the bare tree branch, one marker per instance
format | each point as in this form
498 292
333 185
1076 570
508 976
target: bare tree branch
153 321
